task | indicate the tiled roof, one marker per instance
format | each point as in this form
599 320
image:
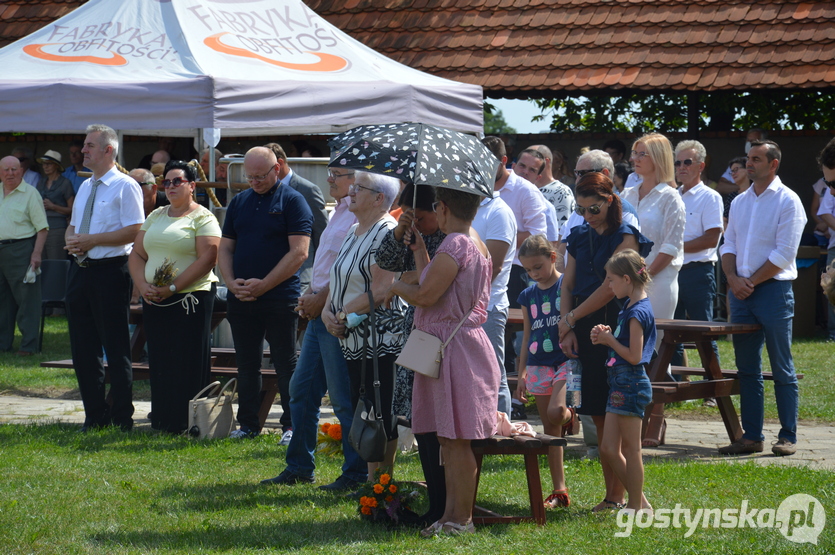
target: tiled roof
515 47
19 18
518 47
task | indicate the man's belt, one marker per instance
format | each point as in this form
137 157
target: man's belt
10 241
93 262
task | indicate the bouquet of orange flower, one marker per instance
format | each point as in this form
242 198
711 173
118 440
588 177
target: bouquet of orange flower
387 501
329 441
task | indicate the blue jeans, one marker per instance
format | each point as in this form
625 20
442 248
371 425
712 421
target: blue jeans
696 293
321 368
772 306
494 328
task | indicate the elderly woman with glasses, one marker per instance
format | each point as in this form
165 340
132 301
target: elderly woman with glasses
177 312
353 274
587 300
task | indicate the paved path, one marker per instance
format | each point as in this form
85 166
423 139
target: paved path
686 439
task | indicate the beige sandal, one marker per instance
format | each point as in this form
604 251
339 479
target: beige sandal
455 529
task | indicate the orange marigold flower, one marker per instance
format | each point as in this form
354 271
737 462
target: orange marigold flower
378 489
335 432
366 510
372 502
393 488
364 500
385 479
389 499
325 427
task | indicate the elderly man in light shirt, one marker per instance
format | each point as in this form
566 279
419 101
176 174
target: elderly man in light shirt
23 231
702 230
761 242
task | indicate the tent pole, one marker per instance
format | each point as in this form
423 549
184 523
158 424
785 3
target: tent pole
120 157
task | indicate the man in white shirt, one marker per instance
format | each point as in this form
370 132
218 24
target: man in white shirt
702 230
531 166
496 225
528 206
106 216
758 257
826 211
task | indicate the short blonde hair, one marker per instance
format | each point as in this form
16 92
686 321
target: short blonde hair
661 152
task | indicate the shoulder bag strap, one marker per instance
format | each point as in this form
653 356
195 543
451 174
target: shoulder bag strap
372 324
458 327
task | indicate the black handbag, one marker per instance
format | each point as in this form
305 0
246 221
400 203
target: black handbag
368 433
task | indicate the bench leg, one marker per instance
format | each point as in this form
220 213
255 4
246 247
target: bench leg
535 487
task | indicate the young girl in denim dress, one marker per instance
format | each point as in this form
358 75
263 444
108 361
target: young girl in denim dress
541 363
630 349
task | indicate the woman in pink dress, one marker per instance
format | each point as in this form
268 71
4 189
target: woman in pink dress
459 405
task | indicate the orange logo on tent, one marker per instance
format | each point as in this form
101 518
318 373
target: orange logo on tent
327 62
36 51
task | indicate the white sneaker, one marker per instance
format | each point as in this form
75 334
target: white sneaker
286 437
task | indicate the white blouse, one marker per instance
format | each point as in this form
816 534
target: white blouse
662 216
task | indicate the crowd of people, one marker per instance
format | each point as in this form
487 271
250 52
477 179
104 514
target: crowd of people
591 256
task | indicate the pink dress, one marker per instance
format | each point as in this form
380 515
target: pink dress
461 403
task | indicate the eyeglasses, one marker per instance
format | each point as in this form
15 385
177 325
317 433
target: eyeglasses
335 176
594 209
354 188
580 173
259 177
737 169
638 155
173 183
435 205
829 183
688 163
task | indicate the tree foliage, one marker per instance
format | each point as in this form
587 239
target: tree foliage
494 122
721 111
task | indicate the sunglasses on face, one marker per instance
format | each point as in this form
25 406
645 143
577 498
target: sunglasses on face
687 163
173 183
829 183
594 209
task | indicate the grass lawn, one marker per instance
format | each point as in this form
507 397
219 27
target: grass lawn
111 493
107 492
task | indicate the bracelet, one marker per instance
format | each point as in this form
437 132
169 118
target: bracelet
570 325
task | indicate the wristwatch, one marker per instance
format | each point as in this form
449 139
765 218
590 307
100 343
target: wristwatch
341 316
172 288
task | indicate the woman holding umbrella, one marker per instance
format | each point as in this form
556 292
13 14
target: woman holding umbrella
460 405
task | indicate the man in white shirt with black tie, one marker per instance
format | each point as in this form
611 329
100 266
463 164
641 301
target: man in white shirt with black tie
758 257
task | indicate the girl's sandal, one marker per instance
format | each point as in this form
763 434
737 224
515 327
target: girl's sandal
649 442
557 499
607 505
571 426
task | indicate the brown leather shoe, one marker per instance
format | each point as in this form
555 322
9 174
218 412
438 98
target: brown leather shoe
24 354
740 448
784 447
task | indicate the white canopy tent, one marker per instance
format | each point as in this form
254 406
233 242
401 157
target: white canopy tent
236 67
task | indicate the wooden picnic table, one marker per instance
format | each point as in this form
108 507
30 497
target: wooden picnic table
717 383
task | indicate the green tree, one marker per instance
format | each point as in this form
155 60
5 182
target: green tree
665 112
494 123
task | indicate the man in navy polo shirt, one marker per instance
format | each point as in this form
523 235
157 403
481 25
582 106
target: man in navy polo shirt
266 237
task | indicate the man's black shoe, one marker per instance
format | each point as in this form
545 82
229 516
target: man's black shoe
343 483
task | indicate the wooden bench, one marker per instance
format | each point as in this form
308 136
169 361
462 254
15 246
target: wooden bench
530 448
141 372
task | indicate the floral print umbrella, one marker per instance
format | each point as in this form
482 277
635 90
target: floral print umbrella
419 154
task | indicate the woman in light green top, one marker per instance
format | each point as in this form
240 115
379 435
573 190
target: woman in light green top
177 316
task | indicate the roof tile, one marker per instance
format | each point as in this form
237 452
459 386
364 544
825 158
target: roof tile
521 46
